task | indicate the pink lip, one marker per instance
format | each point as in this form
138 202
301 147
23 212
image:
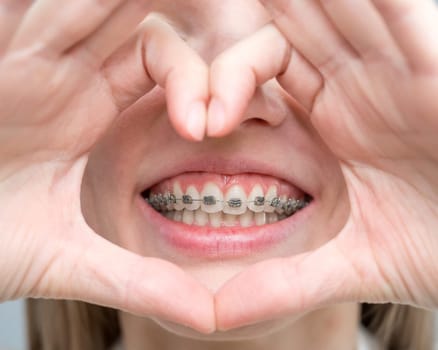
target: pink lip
212 243
213 163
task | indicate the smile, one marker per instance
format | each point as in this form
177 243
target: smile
215 211
212 214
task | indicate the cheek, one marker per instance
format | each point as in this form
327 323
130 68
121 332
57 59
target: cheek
111 172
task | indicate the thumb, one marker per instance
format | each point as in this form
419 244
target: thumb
96 271
335 273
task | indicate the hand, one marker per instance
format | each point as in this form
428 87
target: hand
367 72
59 92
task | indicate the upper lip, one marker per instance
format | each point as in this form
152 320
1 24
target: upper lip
221 165
287 152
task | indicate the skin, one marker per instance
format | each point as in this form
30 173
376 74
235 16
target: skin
369 91
132 154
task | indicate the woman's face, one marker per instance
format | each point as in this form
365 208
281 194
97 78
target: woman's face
274 153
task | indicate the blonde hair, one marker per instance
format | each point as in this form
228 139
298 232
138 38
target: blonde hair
74 325
70 325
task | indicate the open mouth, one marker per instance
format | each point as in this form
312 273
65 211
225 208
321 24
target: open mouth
220 201
209 214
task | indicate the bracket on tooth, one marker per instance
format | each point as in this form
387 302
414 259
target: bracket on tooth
165 202
158 202
172 199
234 203
209 200
186 199
276 202
290 207
259 201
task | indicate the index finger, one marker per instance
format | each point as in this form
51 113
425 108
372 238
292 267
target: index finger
297 285
99 272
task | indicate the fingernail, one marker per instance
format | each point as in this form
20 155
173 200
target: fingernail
196 120
216 117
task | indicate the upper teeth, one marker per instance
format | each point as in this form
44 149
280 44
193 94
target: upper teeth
235 201
211 200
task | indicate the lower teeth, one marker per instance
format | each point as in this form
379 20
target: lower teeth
200 218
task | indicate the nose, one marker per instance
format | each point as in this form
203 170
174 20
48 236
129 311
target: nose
242 83
244 54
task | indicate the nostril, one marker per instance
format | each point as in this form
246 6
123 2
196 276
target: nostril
256 122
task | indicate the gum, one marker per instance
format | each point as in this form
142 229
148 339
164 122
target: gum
224 182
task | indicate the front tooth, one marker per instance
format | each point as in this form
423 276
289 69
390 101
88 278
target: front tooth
235 194
270 195
230 220
194 194
246 219
260 218
215 219
188 217
201 218
212 190
256 192
177 191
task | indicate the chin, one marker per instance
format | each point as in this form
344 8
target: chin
259 330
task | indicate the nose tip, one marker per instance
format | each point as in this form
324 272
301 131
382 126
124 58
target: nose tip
267 105
267 108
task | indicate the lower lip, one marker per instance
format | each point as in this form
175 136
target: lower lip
222 243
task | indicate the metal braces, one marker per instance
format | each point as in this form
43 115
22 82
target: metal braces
166 202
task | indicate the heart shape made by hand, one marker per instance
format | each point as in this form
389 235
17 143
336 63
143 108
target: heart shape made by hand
364 87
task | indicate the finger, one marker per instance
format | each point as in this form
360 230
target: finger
302 81
363 28
54 28
296 285
311 33
98 272
157 55
414 26
11 15
236 74
115 30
